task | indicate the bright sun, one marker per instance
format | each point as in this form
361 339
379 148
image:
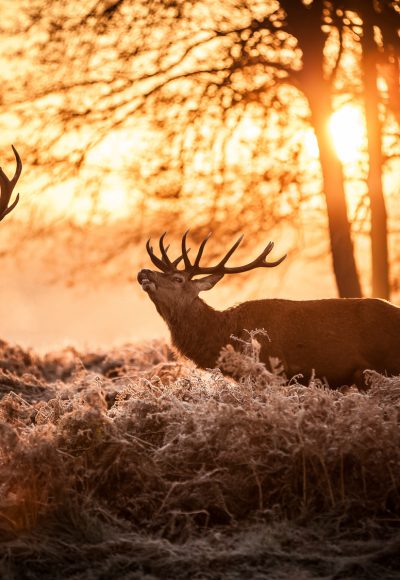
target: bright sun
347 129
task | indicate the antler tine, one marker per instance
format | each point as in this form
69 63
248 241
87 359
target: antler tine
197 269
200 252
176 262
259 262
229 254
188 265
7 186
156 261
164 263
164 251
18 169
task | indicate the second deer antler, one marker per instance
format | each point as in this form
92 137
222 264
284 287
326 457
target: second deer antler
7 187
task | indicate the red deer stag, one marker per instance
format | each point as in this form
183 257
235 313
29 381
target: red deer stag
338 338
7 187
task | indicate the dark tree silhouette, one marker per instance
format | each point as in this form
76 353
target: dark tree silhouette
380 45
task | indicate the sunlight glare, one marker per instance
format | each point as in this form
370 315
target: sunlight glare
114 201
310 143
249 129
347 129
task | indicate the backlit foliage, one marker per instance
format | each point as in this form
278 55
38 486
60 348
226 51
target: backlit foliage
154 112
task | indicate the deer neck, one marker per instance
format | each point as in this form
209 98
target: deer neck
199 332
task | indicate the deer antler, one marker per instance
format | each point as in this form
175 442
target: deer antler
195 269
165 264
7 186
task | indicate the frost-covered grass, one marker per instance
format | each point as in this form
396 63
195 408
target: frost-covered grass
132 464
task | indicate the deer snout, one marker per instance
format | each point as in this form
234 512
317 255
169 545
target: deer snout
143 275
146 280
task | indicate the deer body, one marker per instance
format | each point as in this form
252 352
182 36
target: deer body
336 338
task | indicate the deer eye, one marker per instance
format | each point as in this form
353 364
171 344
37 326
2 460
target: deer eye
178 279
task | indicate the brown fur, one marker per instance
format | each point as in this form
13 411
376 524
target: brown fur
336 338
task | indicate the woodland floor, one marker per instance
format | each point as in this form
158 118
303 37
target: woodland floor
131 464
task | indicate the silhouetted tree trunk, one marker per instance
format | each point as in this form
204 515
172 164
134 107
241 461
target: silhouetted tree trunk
344 265
382 15
379 245
305 23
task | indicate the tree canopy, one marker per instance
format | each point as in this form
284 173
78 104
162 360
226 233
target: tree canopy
212 104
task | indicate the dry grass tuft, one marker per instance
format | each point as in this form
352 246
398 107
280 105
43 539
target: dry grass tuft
115 457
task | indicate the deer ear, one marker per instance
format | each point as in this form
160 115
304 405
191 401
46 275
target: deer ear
207 282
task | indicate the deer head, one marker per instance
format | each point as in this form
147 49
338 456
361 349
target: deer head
174 289
7 187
